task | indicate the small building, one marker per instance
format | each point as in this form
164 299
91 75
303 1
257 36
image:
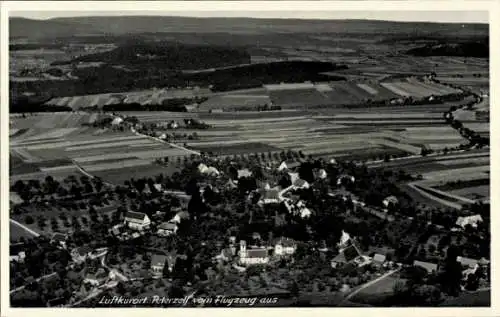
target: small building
19 257
158 262
320 174
137 220
293 177
469 220
117 121
379 259
284 246
270 196
347 255
288 165
59 239
206 170
256 255
166 229
390 200
429 267
468 262
180 216
80 254
244 173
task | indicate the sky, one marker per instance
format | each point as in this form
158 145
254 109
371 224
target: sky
420 16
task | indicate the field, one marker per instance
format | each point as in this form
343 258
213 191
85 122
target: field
50 147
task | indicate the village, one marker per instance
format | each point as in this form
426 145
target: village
251 218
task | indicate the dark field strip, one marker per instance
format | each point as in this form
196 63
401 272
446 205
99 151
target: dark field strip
53 163
118 160
238 148
23 168
19 132
251 115
347 130
463 184
120 175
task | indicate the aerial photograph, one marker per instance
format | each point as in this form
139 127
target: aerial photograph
249 160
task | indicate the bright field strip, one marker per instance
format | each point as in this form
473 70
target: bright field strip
116 165
151 154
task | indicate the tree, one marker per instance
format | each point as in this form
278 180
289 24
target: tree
29 220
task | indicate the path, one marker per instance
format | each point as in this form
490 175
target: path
368 284
34 233
163 141
20 288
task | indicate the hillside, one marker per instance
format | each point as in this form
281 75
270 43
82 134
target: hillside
72 26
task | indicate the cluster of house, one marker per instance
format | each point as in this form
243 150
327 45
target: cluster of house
136 224
161 261
463 222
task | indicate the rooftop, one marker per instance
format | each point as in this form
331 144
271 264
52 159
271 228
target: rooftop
135 215
158 260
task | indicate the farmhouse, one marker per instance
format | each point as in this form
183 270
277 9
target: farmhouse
166 229
137 220
468 263
157 265
253 255
429 267
470 220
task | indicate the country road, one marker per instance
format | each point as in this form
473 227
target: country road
368 284
34 233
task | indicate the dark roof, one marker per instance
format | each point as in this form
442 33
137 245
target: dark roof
167 226
84 250
340 258
59 236
135 215
426 265
158 260
257 253
350 253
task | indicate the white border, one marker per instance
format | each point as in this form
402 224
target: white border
456 5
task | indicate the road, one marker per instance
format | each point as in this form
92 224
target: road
34 233
163 141
368 284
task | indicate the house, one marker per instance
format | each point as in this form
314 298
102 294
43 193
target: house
293 177
244 173
347 255
320 174
345 178
390 200
225 255
429 267
300 183
333 161
137 220
288 165
469 220
379 259
80 254
468 263
270 196
252 256
166 229
180 216
305 212
158 264
59 239
284 246
19 257
204 169
116 121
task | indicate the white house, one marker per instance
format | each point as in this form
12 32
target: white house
270 197
166 229
288 165
18 257
137 220
390 200
157 265
469 220
252 256
321 174
284 246
117 121
203 169
244 173
293 177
